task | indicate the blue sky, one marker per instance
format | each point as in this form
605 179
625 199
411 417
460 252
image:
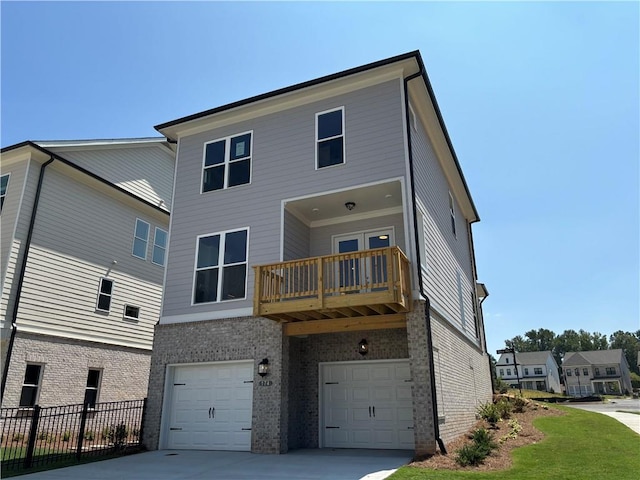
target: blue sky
541 101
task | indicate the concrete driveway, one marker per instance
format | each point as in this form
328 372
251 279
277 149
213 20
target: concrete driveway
312 464
612 408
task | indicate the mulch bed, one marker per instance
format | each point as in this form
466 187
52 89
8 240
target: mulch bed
500 458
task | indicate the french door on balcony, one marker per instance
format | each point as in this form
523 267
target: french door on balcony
362 274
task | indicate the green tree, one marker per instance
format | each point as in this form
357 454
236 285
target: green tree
629 343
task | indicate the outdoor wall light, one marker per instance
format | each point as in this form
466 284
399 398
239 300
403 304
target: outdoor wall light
363 347
263 367
350 205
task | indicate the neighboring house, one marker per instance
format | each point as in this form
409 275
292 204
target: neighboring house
84 232
596 372
320 236
533 371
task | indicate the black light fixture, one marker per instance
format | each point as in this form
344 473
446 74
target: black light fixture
363 347
263 367
350 205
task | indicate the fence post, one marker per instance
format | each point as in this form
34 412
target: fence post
83 423
144 416
33 434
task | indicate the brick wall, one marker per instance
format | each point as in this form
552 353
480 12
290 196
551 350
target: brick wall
125 371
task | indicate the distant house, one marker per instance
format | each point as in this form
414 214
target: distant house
535 370
321 287
84 232
596 372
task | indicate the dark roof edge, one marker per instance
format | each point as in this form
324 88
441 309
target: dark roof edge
29 143
427 83
298 86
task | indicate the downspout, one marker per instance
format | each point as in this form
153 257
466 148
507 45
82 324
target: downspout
427 310
23 267
493 383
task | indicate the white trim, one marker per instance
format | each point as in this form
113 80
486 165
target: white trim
153 249
89 336
8 175
345 189
124 312
98 388
423 268
362 235
100 293
227 161
37 385
221 265
452 214
170 369
343 135
413 121
203 316
355 217
135 237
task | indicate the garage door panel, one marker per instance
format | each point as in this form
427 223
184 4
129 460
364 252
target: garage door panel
360 374
359 394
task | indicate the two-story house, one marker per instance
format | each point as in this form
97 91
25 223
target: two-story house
84 233
321 284
530 370
596 372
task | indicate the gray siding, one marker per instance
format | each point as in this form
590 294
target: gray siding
144 170
296 238
283 166
78 233
10 210
448 257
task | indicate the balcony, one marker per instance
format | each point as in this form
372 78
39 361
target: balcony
364 290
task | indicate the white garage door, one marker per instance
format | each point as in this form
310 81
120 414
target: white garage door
211 407
367 405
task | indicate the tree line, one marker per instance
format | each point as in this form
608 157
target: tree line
571 341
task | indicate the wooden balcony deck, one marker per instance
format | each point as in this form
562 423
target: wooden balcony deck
369 289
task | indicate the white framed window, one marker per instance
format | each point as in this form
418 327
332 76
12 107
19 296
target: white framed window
526 371
585 372
330 138
227 162
502 372
140 239
413 122
508 371
610 370
31 385
4 183
452 214
92 389
105 291
131 312
221 267
568 372
537 371
159 246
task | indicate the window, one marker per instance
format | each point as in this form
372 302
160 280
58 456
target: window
568 372
140 239
159 246
221 267
227 162
93 386
131 312
104 295
452 214
330 138
508 371
610 370
577 372
506 360
502 372
585 372
4 182
526 371
31 385
537 371
597 370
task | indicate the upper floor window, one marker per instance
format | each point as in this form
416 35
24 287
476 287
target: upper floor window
140 239
221 267
452 214
31 385
526 371
4 183
610 370
104 295
537 371
159 246
585 372
330 138
93 387
568 372
506 360
597 370
502 372
227 162
508 371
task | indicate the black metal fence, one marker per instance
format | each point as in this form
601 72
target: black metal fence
40 436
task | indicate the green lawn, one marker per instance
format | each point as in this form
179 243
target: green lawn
579 445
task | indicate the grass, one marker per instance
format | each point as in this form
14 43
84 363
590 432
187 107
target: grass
578 445
534 394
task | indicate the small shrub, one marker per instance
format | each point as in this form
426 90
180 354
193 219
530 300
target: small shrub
18 437
483 439
500 385
43 436
107 433
120 434
66 436
489 412
519 404
470 455
89 435
504 408
135 432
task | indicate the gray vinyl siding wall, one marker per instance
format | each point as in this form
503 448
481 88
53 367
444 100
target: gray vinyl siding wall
296 238
79 232
13 241
447 256
283 166
144 170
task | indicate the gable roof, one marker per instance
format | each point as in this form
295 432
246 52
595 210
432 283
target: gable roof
527 358
594 357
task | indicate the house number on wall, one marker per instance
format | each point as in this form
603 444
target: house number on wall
265 383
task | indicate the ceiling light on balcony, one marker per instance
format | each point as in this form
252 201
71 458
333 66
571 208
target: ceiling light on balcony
383 237
350 205
388 195
315 210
